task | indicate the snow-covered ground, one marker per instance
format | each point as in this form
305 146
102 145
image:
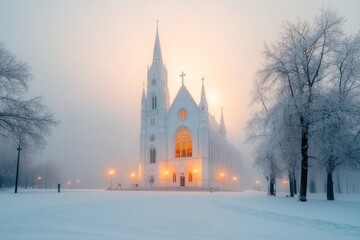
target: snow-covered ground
99 214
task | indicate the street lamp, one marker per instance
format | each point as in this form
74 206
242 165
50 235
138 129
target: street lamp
222 176
111 172
166 177
17 168
78 183
132 175
257 184
39 178
234 179
196 172
285 182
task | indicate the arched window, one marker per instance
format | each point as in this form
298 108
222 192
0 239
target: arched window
183 144
190 177
153 102
174 176
152 155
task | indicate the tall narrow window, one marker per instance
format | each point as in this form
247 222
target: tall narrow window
154 102
152 155
183 144
152 122
190 177
174 176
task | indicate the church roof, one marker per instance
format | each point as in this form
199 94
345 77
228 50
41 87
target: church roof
183 93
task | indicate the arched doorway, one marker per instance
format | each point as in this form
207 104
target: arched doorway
182 180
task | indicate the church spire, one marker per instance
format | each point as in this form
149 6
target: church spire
203 102
157 57
143 100
222 123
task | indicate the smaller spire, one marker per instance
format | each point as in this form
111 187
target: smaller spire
143 98
222 123
203 102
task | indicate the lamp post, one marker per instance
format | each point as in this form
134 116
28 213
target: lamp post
132 175
111 172
166 177
196 172
39 178
257 185
234 179
78 183
285 182
17 168
223 181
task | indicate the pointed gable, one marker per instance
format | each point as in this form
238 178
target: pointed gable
183 96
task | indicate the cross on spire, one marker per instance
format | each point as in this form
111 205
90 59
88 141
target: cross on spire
182 75
157 24
202 79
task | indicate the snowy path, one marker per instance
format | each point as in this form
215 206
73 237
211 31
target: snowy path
97 214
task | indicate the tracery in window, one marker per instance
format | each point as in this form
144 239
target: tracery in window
183 144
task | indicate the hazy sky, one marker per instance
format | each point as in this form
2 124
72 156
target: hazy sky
89 60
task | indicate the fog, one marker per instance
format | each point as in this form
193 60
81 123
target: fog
89 61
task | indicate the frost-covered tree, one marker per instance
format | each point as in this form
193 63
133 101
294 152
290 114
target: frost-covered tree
21 119
295 70
336 131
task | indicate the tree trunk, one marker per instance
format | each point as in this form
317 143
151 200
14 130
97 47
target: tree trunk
272 186
291 184
330 186
304 160
295 186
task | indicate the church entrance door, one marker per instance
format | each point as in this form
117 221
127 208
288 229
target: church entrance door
182 181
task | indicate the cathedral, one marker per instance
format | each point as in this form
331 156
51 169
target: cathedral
181 144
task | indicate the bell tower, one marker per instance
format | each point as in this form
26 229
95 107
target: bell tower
155 106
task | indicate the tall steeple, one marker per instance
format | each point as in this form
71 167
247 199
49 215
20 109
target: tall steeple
157 56
157 84
222 123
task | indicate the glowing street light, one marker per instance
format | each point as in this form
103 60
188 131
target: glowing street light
257 184
111 173
166 177
196 172
234 179
39 178
285 182
132 176
222 176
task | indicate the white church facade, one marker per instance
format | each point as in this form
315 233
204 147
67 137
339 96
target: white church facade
181 144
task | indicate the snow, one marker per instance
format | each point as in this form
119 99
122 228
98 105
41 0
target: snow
99 214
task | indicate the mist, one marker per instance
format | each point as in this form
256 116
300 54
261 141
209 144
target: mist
89 62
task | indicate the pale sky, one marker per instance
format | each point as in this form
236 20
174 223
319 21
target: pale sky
89 60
